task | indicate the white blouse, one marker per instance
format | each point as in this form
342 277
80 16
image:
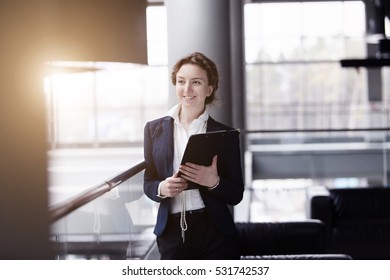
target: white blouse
193 200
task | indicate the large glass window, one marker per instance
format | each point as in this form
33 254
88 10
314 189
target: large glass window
294 82
294 77
99 104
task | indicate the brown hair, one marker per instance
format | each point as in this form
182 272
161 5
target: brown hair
206 64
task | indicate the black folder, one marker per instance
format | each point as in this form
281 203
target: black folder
201 148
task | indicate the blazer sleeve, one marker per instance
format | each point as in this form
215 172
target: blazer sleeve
151 180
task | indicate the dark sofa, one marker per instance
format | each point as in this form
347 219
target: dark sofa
284 241
356 220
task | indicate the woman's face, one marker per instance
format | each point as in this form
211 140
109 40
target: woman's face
192 86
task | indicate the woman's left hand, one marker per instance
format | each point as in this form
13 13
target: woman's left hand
203 175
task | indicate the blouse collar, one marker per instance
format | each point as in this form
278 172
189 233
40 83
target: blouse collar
174 113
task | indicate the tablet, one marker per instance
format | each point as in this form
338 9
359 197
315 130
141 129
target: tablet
201 148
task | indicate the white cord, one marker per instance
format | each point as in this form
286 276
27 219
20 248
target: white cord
183 221
96 227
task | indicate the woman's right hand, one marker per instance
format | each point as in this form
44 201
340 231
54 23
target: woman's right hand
172 186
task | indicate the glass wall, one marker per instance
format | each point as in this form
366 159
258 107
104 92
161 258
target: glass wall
105 104
295 84
283 169
117 225
294 77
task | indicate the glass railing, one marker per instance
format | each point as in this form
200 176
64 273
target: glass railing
282 166
111 220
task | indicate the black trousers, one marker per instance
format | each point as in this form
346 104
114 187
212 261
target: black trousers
203 241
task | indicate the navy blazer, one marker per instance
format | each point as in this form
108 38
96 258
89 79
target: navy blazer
159 152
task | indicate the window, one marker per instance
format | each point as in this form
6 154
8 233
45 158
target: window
294 78
294 81
107 104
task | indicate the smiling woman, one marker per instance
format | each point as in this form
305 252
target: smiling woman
194 221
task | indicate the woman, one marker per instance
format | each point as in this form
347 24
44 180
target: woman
193 221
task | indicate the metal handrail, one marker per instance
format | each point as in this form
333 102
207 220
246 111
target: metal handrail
62 209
